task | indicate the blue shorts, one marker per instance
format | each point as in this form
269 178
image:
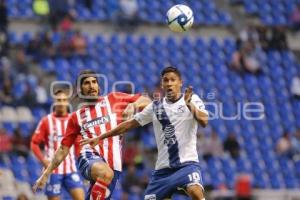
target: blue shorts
165 182
68 181
85 163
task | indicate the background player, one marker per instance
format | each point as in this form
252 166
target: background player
175 120
98 116
49 133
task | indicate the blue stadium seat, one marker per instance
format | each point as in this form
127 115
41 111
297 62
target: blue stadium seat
26 128
19 171
13 38
47 65
38 113
26 37
9 127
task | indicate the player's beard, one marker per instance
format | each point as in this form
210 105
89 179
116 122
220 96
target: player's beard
89 97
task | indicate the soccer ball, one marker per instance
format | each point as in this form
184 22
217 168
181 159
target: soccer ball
180 18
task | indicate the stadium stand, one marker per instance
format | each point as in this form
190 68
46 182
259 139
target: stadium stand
270 12
149 11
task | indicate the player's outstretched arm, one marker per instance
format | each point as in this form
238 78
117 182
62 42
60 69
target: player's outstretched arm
120 129
138 105
59 156
200 116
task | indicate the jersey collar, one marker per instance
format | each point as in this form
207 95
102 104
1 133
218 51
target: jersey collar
169 102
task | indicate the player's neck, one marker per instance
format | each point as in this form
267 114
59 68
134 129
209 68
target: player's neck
92 100
61 113
174 99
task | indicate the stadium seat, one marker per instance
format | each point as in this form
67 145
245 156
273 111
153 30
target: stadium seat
9 114
7 189
24 114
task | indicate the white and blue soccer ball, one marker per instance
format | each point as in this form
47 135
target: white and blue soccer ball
180 18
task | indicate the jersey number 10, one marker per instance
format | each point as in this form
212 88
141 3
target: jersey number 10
194 177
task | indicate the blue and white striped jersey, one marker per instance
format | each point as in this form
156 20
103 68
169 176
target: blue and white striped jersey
175 130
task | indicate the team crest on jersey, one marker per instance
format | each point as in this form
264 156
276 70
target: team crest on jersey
180 109
96 122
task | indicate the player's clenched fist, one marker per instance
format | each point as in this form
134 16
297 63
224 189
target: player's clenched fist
92 141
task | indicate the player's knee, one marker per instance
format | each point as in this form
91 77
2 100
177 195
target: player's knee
109 174
195 192
103 172
53 198
77 194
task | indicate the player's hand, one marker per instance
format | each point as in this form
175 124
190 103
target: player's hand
128 112
40 183
46 163
188 94
92 141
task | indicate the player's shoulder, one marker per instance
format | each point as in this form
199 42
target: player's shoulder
196 97
115 94
45 118
121 95
73 115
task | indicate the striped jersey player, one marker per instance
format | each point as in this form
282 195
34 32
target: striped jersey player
50 131
103 164
92 120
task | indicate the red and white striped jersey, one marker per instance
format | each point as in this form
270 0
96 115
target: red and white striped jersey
50 132
93 120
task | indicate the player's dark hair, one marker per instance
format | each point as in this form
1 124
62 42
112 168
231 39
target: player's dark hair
58 91
80 78
170 69
85 74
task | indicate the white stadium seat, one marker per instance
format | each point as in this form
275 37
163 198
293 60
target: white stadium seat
9 114
24 114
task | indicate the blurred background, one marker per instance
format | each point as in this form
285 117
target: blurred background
238 52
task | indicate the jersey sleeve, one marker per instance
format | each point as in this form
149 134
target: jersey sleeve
124 97
146 116
39 137
40 133
198 103
72 131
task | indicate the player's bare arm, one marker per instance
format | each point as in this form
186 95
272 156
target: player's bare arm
201 117
142 102
138 105
120 129
59 156
34 146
